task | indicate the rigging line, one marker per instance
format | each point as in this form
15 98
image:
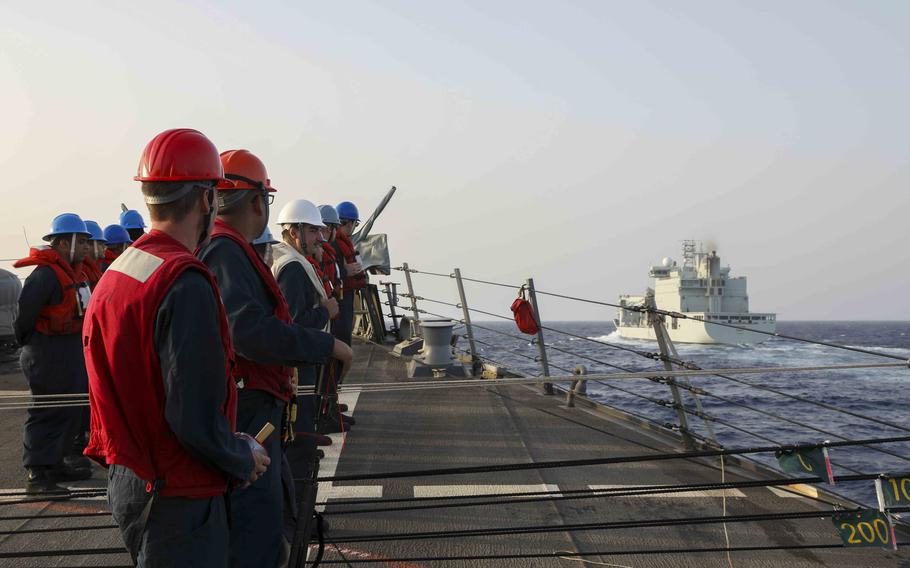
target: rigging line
63 552
890 424
100 493
57 529
575 495
619 552
635 458
605 526
678 315
784 419
54 516
463 277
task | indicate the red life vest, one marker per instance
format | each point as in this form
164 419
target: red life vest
66 317
326 283
109 257
91 271
126 389
274 379
352 281
330 269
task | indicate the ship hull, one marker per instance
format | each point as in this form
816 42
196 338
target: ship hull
695 331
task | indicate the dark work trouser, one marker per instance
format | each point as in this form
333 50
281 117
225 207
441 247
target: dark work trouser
299 454
344 325
52 364
179 531
256 512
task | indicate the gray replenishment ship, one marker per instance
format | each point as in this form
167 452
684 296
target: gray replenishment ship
703 290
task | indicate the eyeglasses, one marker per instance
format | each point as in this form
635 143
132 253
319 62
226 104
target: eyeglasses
268 197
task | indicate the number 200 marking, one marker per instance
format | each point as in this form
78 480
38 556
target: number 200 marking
868 531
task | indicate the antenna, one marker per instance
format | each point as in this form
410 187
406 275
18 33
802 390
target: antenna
124 208
24 234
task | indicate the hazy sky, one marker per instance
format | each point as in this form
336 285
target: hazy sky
575 142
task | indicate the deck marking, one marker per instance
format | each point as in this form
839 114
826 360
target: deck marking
329 464
797 491
471 490
684 494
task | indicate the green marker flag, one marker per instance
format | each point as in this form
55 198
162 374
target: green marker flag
813 461
865 527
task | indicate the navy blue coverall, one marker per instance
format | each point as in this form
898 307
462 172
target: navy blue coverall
179 531
52 364
256 512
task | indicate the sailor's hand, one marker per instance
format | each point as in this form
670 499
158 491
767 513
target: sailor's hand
261 459
331 304
353 268
343 353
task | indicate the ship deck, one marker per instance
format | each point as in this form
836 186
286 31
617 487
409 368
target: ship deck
493 425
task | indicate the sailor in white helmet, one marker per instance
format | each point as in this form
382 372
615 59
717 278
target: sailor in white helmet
301 282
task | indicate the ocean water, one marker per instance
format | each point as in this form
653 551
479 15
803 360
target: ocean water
878 393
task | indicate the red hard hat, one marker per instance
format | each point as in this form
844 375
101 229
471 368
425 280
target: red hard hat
181 154
243 170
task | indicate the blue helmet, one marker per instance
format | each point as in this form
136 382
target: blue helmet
347 211
116 235
95 231
131 219
265 238
329 215
66 224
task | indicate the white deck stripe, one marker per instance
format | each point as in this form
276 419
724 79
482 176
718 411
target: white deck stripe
471 490
329 464
735 493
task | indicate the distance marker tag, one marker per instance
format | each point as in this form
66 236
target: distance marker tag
893 490
806 460
864 528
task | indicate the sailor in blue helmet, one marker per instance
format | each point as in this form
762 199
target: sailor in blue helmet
263 246
352 273
48 327
116 240
132 221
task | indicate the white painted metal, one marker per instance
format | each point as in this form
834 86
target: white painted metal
703 290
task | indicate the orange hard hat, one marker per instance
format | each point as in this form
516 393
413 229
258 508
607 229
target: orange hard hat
243 170
180 154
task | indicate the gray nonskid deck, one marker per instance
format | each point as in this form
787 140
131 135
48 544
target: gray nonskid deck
409 430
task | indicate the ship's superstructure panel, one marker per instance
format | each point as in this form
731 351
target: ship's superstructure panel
703 290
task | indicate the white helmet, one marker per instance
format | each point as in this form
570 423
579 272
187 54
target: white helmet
300 211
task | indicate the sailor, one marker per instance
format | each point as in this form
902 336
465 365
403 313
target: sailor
329 262
116 240
132 221
263 246
159 357
331 418
48 327
91 264
352 273
268 345
300 279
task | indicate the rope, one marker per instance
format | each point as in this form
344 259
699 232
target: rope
520 498
559 554
678 315
610 460
605 526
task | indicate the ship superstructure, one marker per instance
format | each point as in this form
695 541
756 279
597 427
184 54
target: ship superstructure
703 290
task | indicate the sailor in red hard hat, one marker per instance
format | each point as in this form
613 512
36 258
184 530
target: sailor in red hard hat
48 327
268 346
159 359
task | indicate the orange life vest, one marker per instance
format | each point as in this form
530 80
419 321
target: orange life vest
66 317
